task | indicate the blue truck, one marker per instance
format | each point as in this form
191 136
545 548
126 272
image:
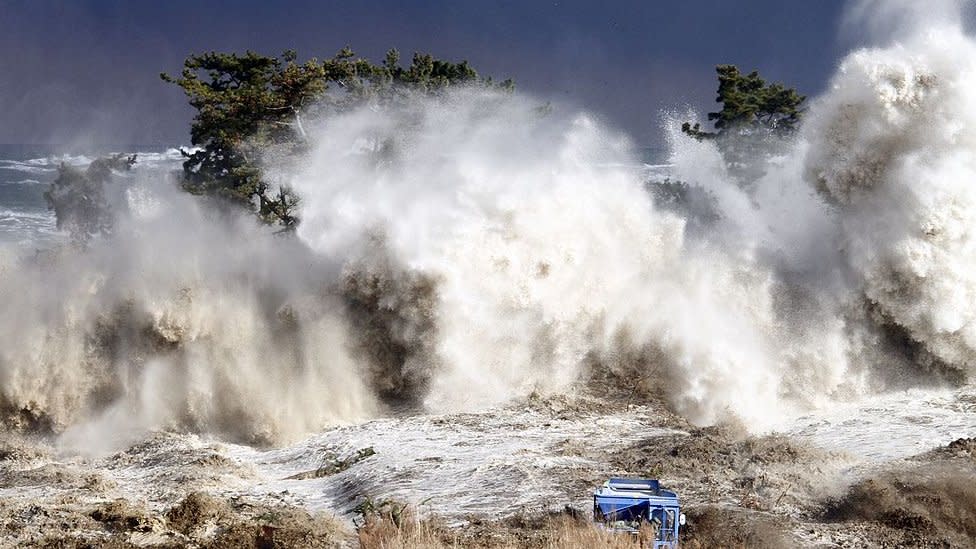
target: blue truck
629 504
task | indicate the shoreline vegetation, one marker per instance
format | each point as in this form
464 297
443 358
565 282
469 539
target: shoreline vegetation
252 111
252 107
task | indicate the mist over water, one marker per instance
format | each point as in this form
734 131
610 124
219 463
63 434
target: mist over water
458 252
178 321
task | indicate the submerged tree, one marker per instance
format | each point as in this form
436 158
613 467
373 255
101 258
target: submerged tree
251 106
750 104
748 130
78 196
754 119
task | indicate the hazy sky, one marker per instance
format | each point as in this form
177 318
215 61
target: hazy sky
89 70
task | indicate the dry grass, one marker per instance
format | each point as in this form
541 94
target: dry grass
570 533
403 529
397 527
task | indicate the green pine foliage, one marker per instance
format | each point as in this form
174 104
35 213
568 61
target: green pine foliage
747 131
251 106
751 126
749 103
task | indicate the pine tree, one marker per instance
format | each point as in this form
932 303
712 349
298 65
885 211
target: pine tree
251 106
750 104
754 120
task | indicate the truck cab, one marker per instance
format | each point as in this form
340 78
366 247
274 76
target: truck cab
628 505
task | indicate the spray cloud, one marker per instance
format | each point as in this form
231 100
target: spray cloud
461 251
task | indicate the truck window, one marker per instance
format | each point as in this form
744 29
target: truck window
667 528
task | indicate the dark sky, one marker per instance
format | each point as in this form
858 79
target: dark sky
88 71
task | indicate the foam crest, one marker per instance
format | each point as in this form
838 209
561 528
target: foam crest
892 146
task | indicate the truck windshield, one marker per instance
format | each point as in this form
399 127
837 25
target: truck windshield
663 521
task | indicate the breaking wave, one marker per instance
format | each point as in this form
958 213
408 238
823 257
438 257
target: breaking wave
543 257
458 252
892 148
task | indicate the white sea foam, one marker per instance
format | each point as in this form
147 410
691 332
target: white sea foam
548 258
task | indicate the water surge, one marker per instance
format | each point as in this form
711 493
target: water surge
458 252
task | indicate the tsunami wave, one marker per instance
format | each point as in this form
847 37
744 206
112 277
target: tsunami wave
459 252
